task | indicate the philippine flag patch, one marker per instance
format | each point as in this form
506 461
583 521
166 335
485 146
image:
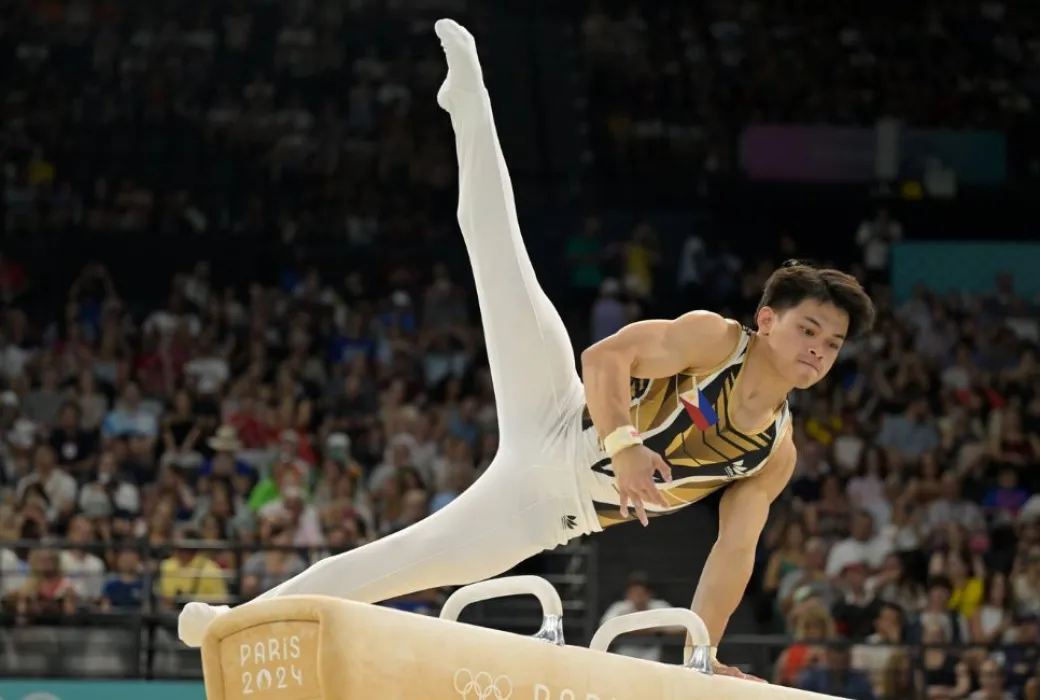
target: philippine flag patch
699 409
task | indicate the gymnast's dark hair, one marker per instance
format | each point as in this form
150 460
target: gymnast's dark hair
796 281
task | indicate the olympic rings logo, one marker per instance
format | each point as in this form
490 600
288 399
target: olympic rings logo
482 686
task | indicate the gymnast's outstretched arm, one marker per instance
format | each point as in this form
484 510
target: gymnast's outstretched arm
742 516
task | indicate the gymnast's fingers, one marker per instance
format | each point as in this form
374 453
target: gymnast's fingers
641 513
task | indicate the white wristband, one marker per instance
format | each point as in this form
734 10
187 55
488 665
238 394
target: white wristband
621 438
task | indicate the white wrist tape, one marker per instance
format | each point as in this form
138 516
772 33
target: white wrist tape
622 438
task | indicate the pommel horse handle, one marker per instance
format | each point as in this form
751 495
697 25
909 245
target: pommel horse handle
665 617
552 607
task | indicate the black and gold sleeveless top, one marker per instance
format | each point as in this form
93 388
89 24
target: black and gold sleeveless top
686 419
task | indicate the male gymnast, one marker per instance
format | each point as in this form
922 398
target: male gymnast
669 412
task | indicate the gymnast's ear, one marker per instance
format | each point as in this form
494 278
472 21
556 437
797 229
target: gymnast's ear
766 319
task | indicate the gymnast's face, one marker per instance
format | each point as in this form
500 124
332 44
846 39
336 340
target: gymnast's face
804 340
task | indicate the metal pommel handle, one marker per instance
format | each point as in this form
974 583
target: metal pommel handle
700 660
552 607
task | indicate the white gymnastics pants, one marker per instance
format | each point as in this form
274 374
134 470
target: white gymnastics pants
523 503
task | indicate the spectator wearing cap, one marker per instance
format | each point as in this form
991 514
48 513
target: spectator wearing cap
190 574
337 448
225 464
835 676
639 596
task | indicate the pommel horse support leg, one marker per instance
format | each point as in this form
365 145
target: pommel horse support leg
322 648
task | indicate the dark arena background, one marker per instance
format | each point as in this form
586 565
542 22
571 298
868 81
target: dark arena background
229 242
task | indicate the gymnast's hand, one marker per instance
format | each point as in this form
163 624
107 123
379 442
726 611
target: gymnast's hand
723 670
634 469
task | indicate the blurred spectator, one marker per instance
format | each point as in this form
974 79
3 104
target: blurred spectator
263 571
863 546
941 675
835 677
878 657
124 589
84 570
646 644
813 623
992 683
47 591
190 574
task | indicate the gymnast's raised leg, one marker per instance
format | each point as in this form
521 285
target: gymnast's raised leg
511 513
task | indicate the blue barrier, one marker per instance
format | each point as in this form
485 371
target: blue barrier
99 690
969 267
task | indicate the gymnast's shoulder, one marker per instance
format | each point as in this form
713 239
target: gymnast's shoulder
662 347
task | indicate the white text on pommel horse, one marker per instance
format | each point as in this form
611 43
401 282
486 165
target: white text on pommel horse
542 692
270 665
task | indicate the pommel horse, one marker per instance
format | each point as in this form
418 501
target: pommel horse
323 648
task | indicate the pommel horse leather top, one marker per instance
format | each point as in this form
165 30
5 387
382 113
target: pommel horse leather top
322 648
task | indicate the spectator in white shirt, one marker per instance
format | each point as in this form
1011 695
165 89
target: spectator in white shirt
84 570
645 644
59 487
862 547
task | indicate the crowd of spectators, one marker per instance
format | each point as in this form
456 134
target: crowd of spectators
675 83
299 118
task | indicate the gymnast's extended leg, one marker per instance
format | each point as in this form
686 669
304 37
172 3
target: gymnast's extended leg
510 513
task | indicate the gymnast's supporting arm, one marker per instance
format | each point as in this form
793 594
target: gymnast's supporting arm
742 515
